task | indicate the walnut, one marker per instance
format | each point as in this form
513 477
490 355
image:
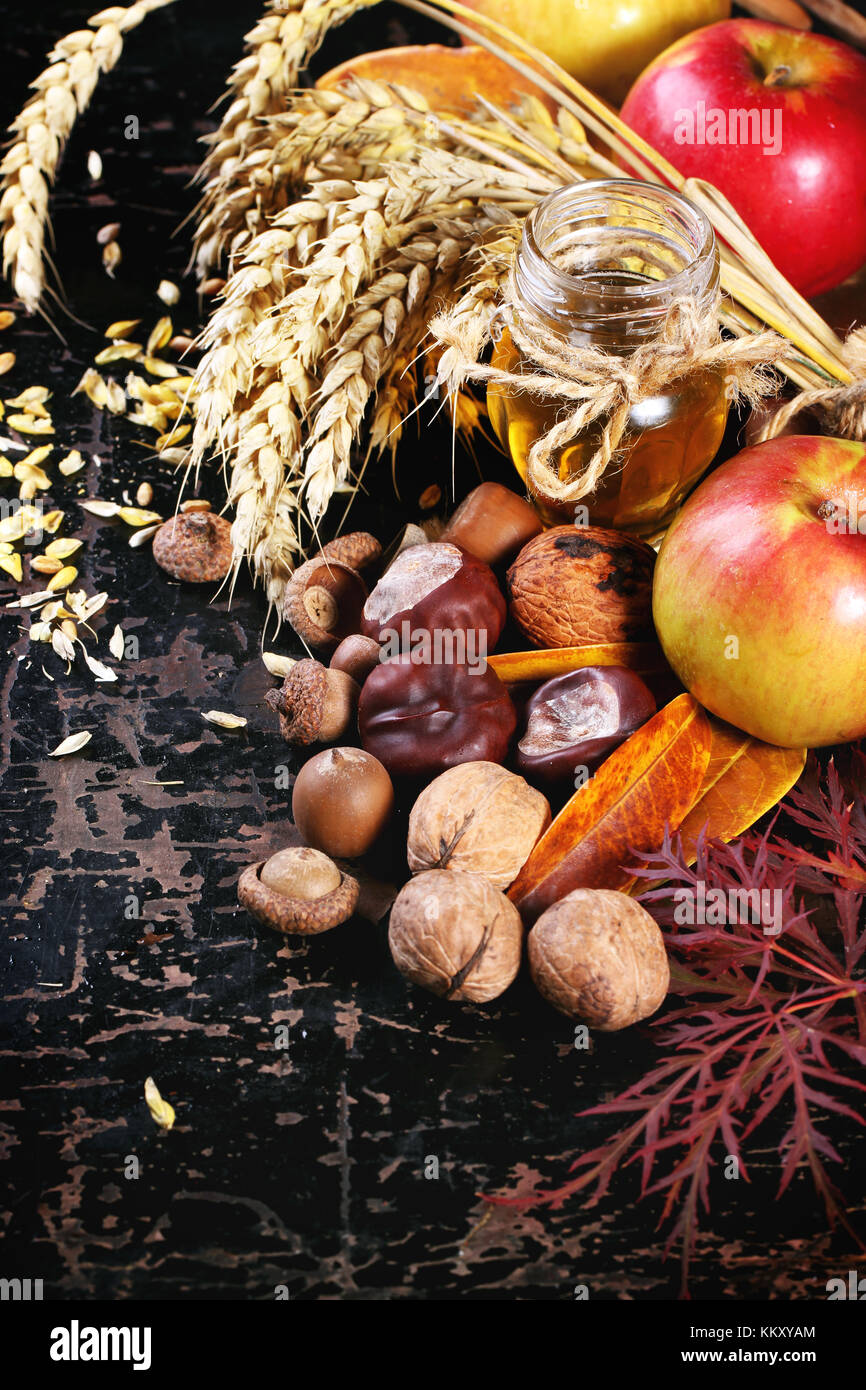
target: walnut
478 817
456 935
576 586
599 956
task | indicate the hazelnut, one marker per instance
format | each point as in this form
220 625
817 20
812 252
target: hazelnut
195 547
492 523
315 704
478 817
323 602
598 956
455 934
576 586
341 801
356 655
298 891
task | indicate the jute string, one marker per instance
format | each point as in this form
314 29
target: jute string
843 408
592 386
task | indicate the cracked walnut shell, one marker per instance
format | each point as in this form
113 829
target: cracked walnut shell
479 817
453 933
599 957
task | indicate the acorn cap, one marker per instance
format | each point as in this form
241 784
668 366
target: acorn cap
358 549
324 600
296 916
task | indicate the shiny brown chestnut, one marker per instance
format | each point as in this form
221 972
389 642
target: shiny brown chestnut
420 719
576 720
435 588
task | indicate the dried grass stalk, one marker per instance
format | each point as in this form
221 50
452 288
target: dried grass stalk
41 130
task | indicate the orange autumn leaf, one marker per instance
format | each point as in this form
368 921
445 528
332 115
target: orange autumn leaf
649 782
744 778
541 665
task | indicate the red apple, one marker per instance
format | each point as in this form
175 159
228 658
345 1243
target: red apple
759 595
776 119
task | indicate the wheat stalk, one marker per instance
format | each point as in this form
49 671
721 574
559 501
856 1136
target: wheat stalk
41 130
367 350
229 369
397 391
283 311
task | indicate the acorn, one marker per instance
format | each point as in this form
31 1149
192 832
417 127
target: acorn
325 596
298 891
316 704
341 801
357 656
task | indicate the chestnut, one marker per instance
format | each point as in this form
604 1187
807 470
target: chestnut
435 590
492 523
578 719
341 801
420 719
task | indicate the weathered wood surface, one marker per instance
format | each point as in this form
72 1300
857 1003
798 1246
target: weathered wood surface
303 1166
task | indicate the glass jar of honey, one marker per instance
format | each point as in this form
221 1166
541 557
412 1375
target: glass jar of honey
599 265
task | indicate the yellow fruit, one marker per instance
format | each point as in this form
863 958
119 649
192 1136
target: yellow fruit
605 44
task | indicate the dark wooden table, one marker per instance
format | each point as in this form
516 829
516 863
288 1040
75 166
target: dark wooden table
126 954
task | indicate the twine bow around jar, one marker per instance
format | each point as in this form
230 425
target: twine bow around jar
586 383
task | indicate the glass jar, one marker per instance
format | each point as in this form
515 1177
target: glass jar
600 263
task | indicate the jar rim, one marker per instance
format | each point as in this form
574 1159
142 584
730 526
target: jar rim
558 294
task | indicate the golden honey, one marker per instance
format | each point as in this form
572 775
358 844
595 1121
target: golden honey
670 439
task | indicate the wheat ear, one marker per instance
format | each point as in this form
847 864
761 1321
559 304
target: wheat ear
340 134
370 273
242 189
40 132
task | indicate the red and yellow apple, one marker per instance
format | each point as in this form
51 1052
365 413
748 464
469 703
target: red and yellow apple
759 595
603 43
776 119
